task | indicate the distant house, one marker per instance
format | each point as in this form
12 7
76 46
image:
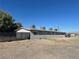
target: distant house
74 34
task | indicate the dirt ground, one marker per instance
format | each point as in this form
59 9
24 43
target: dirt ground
40 49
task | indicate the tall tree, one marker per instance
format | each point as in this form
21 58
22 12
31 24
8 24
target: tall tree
7 23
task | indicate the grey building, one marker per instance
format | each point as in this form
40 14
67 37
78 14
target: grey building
44 34
38 34
23 34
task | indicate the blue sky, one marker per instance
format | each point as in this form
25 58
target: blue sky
49 13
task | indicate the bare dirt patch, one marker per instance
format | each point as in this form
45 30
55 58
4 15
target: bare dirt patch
40 49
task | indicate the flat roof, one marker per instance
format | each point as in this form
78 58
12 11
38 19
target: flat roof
45 31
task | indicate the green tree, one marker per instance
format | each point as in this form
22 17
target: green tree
7 23
43 28
33 27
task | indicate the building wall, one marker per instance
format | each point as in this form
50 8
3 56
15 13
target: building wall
46 36
22 35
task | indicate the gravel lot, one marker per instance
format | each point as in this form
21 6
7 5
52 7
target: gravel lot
40 49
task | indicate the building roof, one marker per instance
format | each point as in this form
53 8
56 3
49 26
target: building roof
23 30
45 31
27 30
